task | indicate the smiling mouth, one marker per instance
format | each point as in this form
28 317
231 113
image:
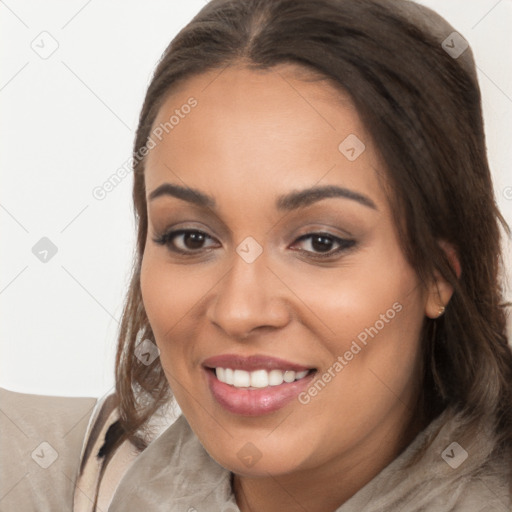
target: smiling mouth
255 385
258 379
257 392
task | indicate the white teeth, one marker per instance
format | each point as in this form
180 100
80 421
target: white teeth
221 374
275 377
257 378
289 376
241 379
228 376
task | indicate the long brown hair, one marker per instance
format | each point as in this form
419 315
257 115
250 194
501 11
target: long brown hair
422 108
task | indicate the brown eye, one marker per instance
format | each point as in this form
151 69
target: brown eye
185 241
323 244
193 240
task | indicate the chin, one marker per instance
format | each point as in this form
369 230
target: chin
270 464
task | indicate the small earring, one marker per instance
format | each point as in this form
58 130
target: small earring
442 309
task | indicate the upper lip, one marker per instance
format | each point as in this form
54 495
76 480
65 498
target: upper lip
253 362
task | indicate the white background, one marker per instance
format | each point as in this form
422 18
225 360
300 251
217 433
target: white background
68 123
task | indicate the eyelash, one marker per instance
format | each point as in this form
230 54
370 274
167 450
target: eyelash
168 238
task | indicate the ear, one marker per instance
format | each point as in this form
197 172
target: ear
440 291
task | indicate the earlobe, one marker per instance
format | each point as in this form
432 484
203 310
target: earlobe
441 291
439 295
436 303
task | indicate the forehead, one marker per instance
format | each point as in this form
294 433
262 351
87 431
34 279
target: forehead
265 131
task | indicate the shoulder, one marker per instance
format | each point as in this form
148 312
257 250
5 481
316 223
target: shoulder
174 473
451 466
41 442
489 488
99 475
464 470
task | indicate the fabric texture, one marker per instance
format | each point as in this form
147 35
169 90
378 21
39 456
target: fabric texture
104 415
41 438
175 473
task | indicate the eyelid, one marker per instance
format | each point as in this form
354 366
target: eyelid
186 226
344 244
167 235
189 215
324 228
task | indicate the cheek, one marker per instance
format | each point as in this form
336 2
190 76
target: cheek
167 291
373 294
173 300
166 294
374 319
166 300
371 316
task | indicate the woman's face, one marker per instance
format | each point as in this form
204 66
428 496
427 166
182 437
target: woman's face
287 317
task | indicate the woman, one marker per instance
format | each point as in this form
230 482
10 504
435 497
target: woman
316 279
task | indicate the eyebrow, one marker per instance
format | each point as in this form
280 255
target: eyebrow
302 198
188 194
291 201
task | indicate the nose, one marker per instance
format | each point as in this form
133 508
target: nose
249 298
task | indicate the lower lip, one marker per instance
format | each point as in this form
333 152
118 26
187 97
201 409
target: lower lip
255 402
